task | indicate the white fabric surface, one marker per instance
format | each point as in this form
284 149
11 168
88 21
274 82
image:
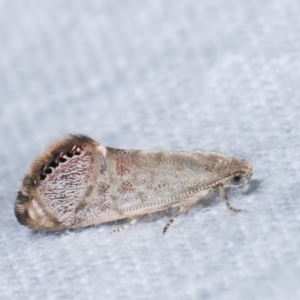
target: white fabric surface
219 75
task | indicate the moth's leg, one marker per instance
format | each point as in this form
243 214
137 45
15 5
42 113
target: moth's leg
171 220
223 196
182 209
127 225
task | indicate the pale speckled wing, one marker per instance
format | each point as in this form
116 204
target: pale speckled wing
140 182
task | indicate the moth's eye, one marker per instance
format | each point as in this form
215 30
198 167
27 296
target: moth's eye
237 180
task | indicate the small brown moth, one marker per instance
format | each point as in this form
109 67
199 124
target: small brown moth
78 182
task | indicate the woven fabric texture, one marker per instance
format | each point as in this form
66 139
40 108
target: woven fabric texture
219 75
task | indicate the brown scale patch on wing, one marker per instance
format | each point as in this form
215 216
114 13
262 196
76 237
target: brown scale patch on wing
103 190
89 191
81 206
123 161
126 187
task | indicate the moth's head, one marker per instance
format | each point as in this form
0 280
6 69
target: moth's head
239 173
56 183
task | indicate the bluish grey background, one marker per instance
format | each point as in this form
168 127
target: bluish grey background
219 75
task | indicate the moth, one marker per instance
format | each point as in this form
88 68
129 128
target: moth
78 182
